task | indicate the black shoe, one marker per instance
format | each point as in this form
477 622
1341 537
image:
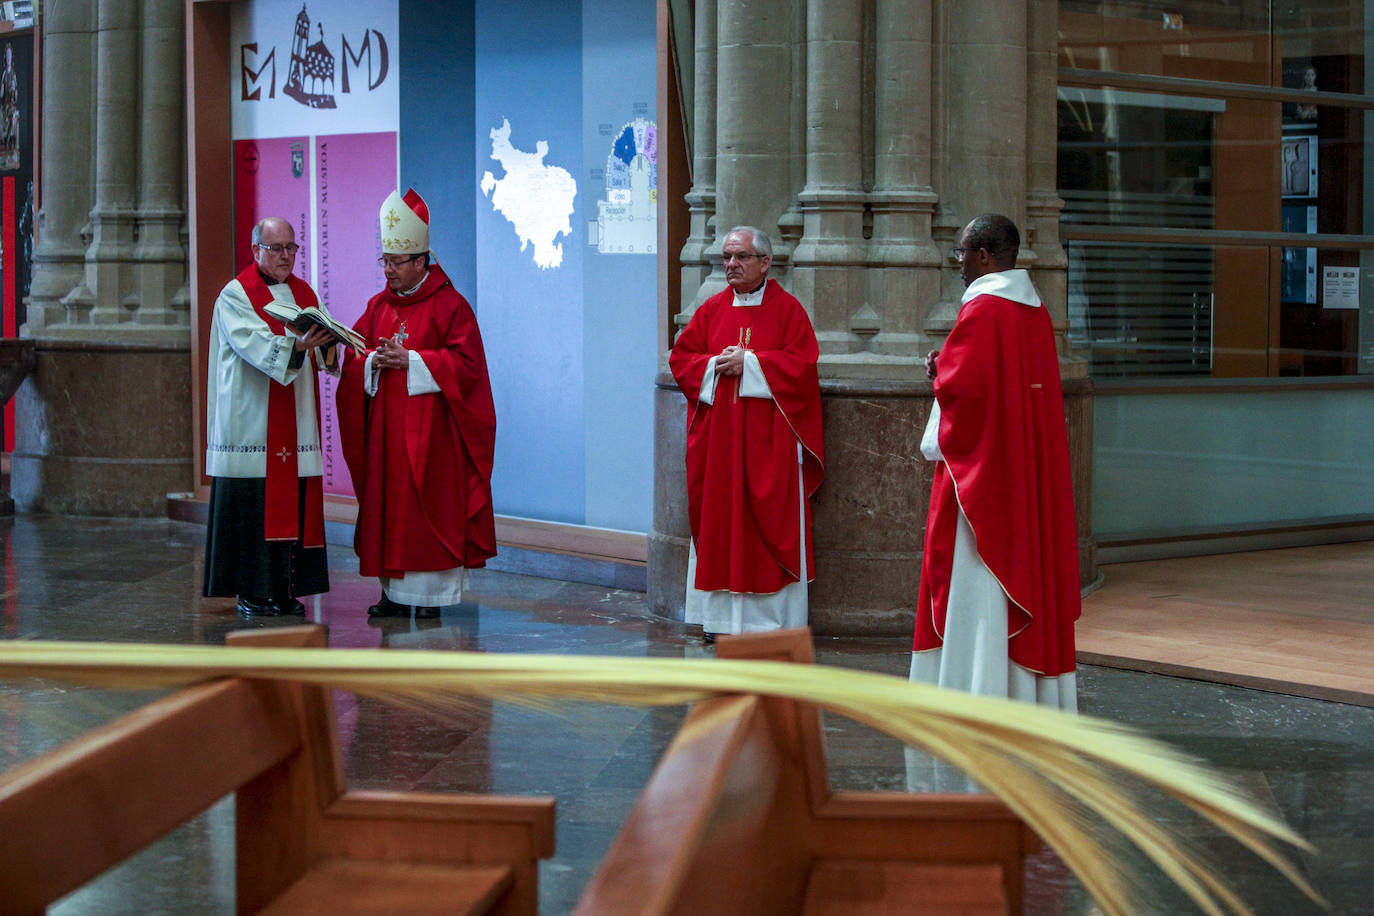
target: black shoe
288 605
388 608
425 612
708 638
259 607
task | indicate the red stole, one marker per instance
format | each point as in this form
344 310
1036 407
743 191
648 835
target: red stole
281 520
742 471
1006 465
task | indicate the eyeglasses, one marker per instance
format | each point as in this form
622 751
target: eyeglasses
959 254
386 261
289 248
741 257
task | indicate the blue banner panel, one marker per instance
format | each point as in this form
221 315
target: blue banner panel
530 237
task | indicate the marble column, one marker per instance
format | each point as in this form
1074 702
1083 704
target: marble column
59 255
828 264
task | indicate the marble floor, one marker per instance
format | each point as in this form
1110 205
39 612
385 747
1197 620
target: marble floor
124 580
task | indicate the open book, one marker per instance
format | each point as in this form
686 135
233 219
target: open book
305 319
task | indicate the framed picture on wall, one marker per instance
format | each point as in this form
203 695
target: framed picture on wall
1298 271
1299 166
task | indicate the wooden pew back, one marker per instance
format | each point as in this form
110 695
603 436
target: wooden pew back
302 839
739 817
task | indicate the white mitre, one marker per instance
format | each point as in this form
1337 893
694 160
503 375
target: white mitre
405 224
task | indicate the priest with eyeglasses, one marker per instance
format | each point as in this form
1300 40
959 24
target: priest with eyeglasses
265 535
746 363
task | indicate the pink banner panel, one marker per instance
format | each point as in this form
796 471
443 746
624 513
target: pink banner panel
353 175
271 178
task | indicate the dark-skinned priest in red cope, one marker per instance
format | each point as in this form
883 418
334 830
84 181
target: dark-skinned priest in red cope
265 534
999 590
747 365
418 427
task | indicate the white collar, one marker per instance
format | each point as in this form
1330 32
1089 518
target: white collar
411 291
754 298
1014 284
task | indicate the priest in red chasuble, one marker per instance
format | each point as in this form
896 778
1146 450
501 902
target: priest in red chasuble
999 587
747 365
418 427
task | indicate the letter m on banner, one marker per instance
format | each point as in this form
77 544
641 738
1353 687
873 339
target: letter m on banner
252 79
374 76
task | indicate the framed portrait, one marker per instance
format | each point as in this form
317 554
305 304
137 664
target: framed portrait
1298 166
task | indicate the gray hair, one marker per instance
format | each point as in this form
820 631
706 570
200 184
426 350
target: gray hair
761 243
257 228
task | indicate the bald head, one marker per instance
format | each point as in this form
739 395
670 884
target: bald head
274 248
274 223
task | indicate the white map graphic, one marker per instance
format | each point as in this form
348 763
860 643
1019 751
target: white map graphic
536 198
627 220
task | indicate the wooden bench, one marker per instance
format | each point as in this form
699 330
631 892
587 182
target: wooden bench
305 843
739 817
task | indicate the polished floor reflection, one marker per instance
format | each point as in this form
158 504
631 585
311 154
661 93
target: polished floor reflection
120 580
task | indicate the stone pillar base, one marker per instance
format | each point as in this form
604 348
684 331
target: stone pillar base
102 429
870 512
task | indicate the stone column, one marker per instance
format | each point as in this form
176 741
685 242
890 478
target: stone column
985 147
985 96
160 257
828 265
961 108
68 81
701 200
753 86
109 259
100 424
906 261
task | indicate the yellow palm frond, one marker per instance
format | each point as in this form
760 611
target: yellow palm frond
1063 775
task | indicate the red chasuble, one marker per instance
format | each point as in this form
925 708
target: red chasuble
1006 462
742 487
421 464
281 519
